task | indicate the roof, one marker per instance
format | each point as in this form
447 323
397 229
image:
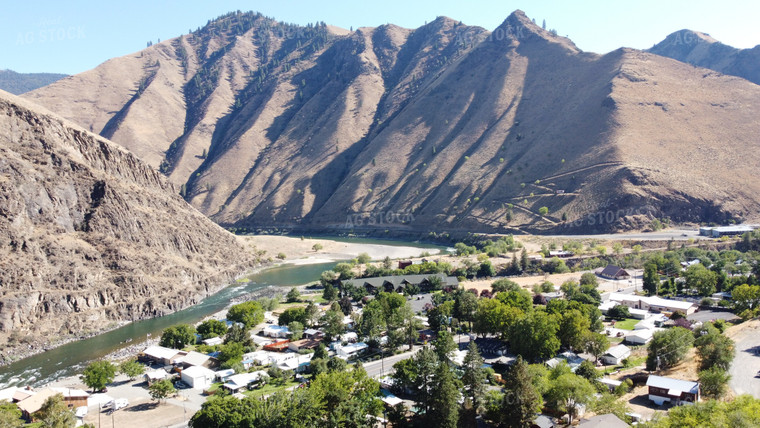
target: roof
311 331
613 271
619 351
390 399
160 352
211 341
7 393
71 392
244 379
608 381
306 343
225 373
198 371
603 421
157 374
399 280
642 334
35 402
195 358
673 384
651 301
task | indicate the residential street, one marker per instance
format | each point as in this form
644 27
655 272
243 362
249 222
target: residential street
746 365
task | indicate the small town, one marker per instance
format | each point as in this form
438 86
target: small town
425 337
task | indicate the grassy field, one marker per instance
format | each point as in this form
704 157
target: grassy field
627 324
269 389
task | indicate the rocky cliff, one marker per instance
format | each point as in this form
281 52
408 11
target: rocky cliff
446 127
91 237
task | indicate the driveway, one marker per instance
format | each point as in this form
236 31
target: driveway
710 315
746 363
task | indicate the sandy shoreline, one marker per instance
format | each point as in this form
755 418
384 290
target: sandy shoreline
301 250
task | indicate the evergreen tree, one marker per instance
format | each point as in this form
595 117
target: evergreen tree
524 260
474 376
444 345
521 400
444 410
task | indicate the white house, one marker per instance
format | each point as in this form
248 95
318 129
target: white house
350 350
198 377
195 359
160 354
616 355
223 375
276 331
239 381
213 341
639 337
653 303
611 384
677 391
155 375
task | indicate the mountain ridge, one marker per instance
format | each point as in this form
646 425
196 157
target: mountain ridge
449 127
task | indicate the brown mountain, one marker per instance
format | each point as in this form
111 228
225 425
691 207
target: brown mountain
91 237
443 128
702 50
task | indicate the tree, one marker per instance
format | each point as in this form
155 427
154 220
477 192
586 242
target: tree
486 270
714 350
567 392
465 306
55 413
248 313
10 415
363 258
330 293
293 295
587 370
589 278
619 312
744 411
651 278
132 369
746 297
98 374
524 262
596 344
443 411
534 336
292 314
504 284
444 346
617 248
178 336
543 211
668 348
701 279
296 330
238 334
474 375
161 390
311 314
212 328
345 305
713 381
332 323
232 351
521 399
573 329
425 363
317 247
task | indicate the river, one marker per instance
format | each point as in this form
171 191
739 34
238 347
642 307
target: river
71 358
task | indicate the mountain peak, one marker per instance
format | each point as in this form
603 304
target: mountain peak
518 26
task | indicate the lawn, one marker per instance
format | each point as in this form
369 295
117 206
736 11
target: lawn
627 324
269 389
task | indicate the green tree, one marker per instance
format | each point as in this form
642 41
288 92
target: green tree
317 247
596 344
744 411
521 399
363 258
161 390
589 278
474 376
98 374
425 364
651 279
238 334
504 284
132 369
332 324
311 314
232 351
296 330
292 314
567 392
619 312
746 297
668 348
10 415
534 336
212 328
701 279
573 329
524 261
248 313
713 382
178 336
293 295
330 293
443 411
587 370
444 346
617 248
55 414
465 306
714 350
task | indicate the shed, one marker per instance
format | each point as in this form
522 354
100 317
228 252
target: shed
616 355
639 337
155 375
198 377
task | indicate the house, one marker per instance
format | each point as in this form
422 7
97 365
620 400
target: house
259 358
689 263
614 272
277 331
639 337
198 377
33 403
159 355
15 394
616 355
611 384
543 421
155 375
193 358
239 381
223 375
389 399
676 391
303 344
400 282
653 303
311 333
350 337
603 421
348 351
560 254
552 295
280 346
73 397
572 359
213 341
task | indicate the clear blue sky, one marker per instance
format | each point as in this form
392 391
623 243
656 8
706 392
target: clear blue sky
76 35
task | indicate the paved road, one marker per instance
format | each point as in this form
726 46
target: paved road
676 234
746 362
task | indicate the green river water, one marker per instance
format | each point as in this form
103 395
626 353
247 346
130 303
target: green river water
71 358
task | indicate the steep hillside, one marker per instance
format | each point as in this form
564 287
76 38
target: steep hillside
702 50
18 83
442 128
91 237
